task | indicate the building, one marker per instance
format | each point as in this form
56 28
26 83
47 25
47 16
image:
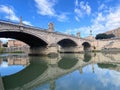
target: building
115 32
17 46
16 43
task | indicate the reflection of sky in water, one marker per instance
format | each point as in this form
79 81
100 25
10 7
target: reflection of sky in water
9 70
101 79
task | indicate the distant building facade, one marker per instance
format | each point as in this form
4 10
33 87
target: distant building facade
115 32
17 46
16 43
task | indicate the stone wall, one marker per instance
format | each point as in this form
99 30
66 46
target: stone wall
106 44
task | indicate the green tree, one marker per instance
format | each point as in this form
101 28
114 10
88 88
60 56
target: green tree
111 35
104 36
5 44
2 50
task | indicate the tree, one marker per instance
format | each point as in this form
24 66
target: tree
5 44
111 35
1 50
104 36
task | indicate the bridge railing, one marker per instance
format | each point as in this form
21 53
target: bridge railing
30 26
17 23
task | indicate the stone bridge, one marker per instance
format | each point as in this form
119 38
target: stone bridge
45 41
42 41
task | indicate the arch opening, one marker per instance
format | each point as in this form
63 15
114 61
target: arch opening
87 46
67 43
31 40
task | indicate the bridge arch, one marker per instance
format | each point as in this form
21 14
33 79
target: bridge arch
86 46
67 42
27 37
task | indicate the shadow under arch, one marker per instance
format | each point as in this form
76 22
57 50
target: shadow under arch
34 70
67 62
67 43
29 39
87 46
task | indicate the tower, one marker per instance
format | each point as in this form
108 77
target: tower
51 27
21 20
78 34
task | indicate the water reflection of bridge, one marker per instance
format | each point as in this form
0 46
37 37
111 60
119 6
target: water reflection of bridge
16 60
44 70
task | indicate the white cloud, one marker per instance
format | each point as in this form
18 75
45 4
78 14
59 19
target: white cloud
103 21
5 40
113 19
81 9
103 74
102 6
9 11
76 2
62 17
46 7
78 12
27 23
84 6
77 18
10 14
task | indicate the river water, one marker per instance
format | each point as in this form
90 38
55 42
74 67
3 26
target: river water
89 71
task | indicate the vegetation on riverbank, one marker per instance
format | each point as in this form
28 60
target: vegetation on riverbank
2 50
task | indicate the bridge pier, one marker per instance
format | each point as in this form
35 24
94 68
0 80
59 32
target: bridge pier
71 49
54 50
43 50
52 85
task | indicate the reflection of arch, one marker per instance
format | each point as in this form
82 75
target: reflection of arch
31 40
34 70
67 43
87 46
67 62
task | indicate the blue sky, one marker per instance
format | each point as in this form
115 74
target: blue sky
68 16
